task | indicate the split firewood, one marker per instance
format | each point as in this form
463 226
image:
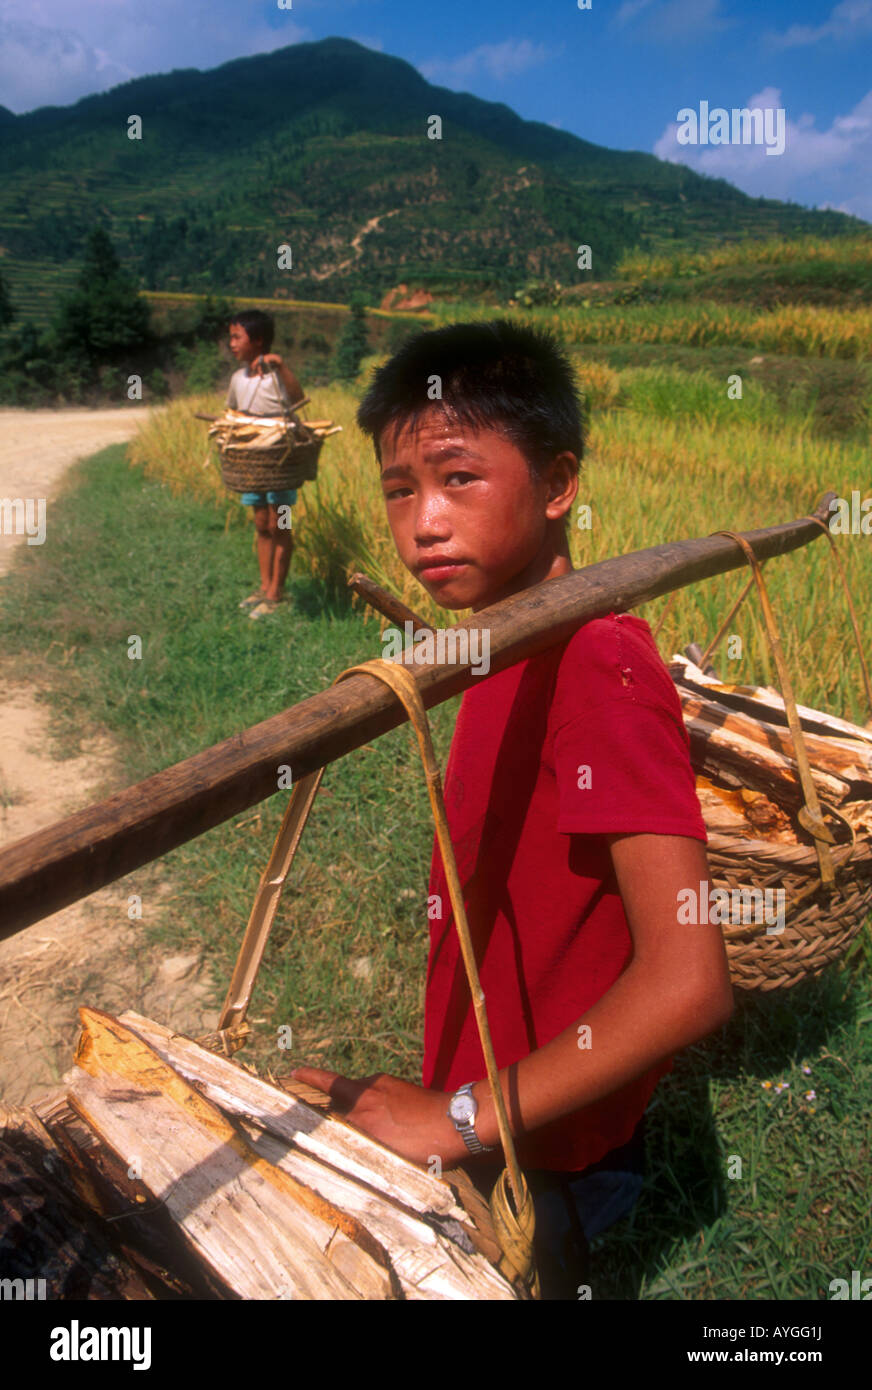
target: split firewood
433 1244
143 1230
756 765
235 428
332 1141
763 702
429 1264
847 759
255 1226
859 815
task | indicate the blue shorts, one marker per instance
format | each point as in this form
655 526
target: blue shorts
285 498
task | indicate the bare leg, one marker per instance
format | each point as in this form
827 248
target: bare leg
265 547
283 542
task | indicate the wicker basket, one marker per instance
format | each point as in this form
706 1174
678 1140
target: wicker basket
818 927
819 922
249 469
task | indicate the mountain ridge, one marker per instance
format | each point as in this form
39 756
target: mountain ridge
305 145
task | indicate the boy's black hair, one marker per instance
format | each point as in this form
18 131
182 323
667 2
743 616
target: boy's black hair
497 375
258 325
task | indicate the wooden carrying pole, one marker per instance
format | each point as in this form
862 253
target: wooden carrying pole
47 870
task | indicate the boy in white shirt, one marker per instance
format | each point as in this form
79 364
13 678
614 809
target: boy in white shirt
258 390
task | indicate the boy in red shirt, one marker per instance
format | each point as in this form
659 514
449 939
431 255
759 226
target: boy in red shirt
571 803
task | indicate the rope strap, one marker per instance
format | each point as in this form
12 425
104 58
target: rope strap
514 1228
810 815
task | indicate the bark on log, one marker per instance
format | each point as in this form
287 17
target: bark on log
847 761
51 1245
762 703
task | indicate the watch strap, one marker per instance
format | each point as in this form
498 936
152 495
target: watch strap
467 1129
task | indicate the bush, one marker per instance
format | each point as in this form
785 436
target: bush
7 311
202 367
599 386
157 385
400 333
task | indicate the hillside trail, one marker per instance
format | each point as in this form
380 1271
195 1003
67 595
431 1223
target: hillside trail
90 952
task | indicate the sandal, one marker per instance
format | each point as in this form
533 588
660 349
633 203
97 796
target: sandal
265 606
252 600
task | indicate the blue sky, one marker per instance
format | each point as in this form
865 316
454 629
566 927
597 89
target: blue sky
616 74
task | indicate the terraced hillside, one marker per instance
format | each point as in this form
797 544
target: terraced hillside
324 146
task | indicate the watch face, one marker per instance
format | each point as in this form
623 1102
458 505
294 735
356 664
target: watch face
462 1108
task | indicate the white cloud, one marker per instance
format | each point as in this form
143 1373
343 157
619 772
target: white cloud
41 67
630 9
850 19
832 164
58 53
497 60
674 21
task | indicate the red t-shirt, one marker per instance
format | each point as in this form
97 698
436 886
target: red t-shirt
548 757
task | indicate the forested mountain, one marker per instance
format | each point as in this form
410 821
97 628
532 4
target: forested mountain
324 147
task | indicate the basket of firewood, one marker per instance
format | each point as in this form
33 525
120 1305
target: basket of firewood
782 922
266 453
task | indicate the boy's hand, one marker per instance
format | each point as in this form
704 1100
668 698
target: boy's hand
267 361
406 1118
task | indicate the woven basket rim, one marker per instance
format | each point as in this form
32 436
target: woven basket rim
794 857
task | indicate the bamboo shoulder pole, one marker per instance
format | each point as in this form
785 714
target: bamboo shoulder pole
47 870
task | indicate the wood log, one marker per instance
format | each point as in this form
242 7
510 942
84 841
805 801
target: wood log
45 871
743 812
849 761
49 1240
713 747
761 702
145 1233
260 1230
430 1239
230 1086
428 1264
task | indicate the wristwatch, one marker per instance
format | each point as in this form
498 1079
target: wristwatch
462 1110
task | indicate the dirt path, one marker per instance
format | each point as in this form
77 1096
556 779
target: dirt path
91 951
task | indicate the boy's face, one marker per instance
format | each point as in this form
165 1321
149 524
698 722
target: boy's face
468 517
242 347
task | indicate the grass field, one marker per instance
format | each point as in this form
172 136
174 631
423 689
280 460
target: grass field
160 550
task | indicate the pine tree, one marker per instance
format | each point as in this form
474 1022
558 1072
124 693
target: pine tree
352 346
104 317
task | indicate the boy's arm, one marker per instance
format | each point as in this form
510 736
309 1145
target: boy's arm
675 991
